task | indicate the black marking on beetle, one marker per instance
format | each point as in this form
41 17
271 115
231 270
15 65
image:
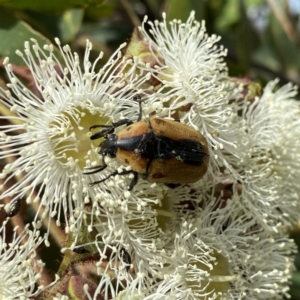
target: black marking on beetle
153 147
158 175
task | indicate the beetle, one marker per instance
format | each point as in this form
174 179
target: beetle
80 250
126 258
15 207
160 150
122 255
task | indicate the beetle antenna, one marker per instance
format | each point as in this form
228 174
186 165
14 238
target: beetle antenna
102 133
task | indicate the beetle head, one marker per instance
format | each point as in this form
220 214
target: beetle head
109 146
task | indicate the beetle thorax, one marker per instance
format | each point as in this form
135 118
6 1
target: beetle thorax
109 146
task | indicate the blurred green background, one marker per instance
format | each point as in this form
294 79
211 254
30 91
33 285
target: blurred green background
262 37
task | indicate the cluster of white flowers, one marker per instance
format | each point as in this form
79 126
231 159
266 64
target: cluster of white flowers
20 267
222 237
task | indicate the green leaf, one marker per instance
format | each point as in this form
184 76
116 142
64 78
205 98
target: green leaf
229 15
69 24
266 57
13 34
47 5
64 26
297 261
178 9
287 52
93 13
296 283
247 38
237 29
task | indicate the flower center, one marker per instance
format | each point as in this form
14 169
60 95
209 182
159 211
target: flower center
165 214
70 137
218 279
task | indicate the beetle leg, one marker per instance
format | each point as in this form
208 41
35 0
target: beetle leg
97 169
139 100
133 181
145 175
124 172
102 180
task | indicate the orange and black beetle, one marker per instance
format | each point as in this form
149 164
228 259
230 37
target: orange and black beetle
161 150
